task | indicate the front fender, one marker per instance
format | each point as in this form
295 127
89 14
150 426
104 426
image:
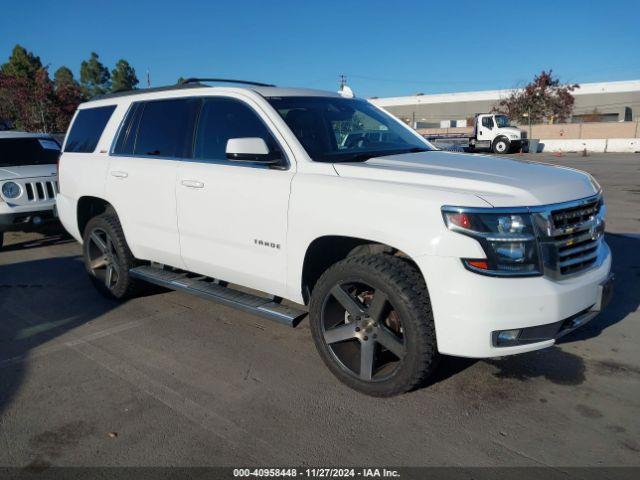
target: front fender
405 217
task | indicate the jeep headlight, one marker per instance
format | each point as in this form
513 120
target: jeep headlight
11 190
508 240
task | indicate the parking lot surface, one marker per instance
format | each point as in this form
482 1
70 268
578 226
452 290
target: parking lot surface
171 379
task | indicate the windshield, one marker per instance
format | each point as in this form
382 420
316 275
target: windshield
344 129
18 152
502 121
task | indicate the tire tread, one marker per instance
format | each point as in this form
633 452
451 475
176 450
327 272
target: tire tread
401 275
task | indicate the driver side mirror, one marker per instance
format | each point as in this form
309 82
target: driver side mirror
250 149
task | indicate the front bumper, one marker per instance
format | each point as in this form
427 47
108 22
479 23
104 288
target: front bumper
470 308
26 221
556 330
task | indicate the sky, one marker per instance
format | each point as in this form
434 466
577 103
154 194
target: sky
385 48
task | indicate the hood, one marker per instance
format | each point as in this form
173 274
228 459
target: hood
27 171
510 131
501 181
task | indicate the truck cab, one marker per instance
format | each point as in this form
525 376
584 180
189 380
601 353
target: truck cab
492 131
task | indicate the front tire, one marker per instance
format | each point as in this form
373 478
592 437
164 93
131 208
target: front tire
501 146
372 324
107 257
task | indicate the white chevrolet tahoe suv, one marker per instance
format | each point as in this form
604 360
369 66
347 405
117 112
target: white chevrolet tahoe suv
28 181
401 252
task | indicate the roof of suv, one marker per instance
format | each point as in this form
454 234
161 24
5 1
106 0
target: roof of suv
265 91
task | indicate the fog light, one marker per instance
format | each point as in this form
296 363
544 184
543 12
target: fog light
508 336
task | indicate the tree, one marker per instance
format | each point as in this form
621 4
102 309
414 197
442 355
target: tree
123 77
29 103
94 77
16 83
30 100
68 96
27 99
42 114
63 77
544 99
21 64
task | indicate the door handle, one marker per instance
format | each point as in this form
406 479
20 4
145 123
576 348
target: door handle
192 184
119 174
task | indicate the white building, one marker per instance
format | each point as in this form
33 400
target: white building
604 102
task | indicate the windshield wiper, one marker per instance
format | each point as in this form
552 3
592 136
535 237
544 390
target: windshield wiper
400 152
363 157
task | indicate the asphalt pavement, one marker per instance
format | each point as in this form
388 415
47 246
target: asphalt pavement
174 380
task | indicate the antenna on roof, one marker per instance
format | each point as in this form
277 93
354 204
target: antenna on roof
226 80
345 90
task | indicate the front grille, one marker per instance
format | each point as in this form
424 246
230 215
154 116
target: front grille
38 191
573 236
572 217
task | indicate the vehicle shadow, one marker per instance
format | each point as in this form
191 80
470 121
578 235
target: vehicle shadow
40 300
52 235
626 295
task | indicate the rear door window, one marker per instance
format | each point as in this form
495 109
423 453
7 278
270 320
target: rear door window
87 129
17 152
129 130
166 128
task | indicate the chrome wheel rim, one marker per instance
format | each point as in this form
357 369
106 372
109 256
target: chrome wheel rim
363 332
103 260
501 147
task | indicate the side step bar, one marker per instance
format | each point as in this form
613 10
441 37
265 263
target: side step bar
218 292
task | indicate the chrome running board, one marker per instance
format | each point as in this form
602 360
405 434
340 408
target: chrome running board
218 291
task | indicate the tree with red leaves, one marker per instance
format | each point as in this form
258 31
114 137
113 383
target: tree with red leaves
545 99
27 96
68 95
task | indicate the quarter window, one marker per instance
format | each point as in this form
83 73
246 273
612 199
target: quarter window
225 118
87 129
166 128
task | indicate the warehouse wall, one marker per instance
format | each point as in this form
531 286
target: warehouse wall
562 130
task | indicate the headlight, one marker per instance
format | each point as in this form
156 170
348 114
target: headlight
508 240
513 137
11 190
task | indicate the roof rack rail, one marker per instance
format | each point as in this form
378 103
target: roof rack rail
126 93
225 80
188 83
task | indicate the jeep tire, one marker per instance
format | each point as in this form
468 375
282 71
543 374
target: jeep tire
372 324
107 257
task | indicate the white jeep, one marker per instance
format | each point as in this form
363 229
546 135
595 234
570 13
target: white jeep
28 181
401 252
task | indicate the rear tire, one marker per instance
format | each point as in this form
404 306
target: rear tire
107 257
372 324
